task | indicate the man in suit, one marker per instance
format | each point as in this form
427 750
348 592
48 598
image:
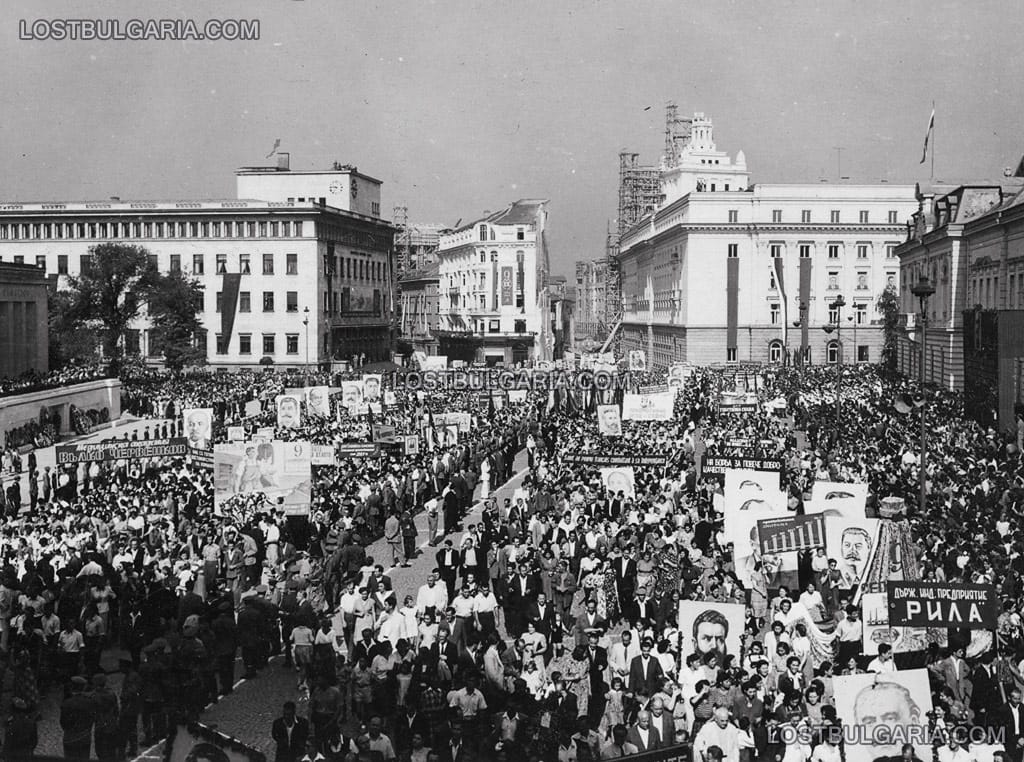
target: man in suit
589 620
985 697
1013 726
542 614
645 674
953 672
624 569
564 590
597 658
456 747
643 735
448 562
521 591
289 733
562 704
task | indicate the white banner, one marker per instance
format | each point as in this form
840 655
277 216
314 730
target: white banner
289 414
608 422
648 407
619 479
198 427
318 401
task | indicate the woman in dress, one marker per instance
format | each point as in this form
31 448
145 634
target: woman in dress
594 587
427 630
365 612
548 569
644 570
410 627
536 644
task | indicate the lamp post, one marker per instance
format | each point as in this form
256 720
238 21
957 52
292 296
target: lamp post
923 290
837 305
305 323
800 324
853 322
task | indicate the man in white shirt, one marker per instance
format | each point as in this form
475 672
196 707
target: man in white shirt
719 732
954 752
620 656
884 661
432 597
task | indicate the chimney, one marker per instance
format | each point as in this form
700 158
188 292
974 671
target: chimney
283 161
115 198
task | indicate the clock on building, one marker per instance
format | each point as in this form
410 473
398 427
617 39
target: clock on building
336 186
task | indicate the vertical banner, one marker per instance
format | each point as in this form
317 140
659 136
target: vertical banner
780 270
805 298
732 284
506 286
229 303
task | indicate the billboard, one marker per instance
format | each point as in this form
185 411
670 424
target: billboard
942 604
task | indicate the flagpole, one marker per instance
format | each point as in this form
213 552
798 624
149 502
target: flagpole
933 145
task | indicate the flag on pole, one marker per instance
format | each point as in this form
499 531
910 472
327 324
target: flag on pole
778 265
928 135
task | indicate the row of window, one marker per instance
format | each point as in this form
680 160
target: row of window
834 250
168 229
863 216
486 233
291 343
776 348
245 301
832 284
860 314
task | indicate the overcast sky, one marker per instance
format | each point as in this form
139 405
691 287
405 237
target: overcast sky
461 106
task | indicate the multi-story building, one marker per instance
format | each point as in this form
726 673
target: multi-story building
562 307
493 276
968 241
419 308
416 247
722 270
299 259
591 288
24 338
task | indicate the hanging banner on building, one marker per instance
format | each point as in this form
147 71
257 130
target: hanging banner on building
942 604
648 407
176 447
614 459
791 533
507 286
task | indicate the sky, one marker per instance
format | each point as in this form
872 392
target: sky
462 106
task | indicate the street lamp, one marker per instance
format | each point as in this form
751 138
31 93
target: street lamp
305 323
800 324
837 305
923 290
853 322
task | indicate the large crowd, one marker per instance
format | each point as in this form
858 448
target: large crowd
547 628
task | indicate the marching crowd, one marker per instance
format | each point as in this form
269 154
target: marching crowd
548 628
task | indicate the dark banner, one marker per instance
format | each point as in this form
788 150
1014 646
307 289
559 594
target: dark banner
122 450
717 465
942 604
614 459
732 286
507 285
229 303
201 458
790 533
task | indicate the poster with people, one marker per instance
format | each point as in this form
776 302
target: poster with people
648 407
318 401
637 360
619 479
851 542
351 395
198 427
371 387
707 627
883 708
608 422
278 471
678 372
289 413
877 630
751 496
848 500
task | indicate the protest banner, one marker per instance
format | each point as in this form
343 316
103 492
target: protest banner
789 533
264 432
678 372
176 447
648 407
201 458
318 401
384 434
253 408
289 415
280 471
942 604
851 542
884 707
711 628
371 387
737 402
838 499
877 630
637 360
198 427
351 395
656 389
356 450
322 455
618 479
614 459
608 422
412 444
720 464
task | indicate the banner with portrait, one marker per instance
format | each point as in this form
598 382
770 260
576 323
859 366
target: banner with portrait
196 742
883 708
351 394
253 408
648 407
618 479
709 627
851 542
838 499
637 360
289 413
608 421
678 372
279 471
198 427
318 401
371 387
236 433
751 496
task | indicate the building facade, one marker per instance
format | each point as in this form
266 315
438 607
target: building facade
24 335
416 247
591 290
419 309
494 300
968 240
720 271
279 272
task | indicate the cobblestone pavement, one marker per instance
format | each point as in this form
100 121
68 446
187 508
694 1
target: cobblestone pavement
247 714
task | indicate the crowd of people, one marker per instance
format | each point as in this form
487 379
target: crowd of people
547 627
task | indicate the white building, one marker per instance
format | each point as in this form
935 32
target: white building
494 301
719 272
262 260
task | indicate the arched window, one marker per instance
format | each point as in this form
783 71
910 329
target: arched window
775 352
832 352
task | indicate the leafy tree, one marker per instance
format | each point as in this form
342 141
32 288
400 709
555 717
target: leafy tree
173 302
888 306
108 295
70 339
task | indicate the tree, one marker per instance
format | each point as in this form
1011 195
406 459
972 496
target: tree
173 302
70 339
888 306
109 293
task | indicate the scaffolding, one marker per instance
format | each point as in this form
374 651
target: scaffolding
677 134
400 219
